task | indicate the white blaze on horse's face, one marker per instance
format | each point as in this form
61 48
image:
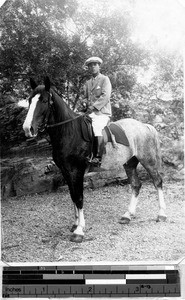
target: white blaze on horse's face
29 118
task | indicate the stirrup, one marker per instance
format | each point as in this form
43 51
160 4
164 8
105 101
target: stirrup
96 161
89 159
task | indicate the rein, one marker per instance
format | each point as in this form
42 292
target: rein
61 123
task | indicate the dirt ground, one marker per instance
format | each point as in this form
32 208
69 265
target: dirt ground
36 228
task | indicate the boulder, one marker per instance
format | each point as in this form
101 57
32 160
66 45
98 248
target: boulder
21 176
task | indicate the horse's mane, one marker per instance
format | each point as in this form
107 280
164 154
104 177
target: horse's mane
64 112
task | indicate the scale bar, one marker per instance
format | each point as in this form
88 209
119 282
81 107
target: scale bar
93 290
91 281
145 276
63 276
105 281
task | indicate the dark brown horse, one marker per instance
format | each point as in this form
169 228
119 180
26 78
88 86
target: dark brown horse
70 150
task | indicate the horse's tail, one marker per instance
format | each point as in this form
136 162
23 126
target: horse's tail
157 146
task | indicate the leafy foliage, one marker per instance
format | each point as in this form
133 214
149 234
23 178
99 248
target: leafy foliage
40 37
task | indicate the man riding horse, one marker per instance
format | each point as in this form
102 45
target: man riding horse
70 150
97 92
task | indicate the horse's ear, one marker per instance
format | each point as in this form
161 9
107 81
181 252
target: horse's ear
47 83
33 83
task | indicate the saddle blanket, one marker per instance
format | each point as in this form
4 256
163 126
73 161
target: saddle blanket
116 130
119 134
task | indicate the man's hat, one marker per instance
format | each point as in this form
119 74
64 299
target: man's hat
93 59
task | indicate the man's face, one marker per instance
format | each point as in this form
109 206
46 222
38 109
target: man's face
94 68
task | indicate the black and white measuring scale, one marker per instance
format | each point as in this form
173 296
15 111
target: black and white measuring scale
90 280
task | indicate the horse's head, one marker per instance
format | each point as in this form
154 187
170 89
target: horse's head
39 102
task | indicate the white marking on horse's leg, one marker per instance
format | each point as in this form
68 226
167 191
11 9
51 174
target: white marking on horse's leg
133 204
162 205
29 117
132 207
81 223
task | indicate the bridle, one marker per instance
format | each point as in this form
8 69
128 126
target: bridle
50 108
46 119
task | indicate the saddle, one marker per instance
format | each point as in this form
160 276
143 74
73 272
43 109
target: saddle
112 132
86 129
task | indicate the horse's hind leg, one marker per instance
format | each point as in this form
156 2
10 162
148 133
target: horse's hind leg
130 169
152 169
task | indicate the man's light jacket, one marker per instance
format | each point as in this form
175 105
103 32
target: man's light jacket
97 91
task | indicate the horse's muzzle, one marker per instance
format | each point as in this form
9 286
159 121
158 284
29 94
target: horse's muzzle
29 132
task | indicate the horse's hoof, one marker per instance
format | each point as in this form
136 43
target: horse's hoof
73 228
161 219
124 220
76 238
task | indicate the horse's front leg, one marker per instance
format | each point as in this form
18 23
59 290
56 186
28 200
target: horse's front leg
79 223
78 227
73 228
76 190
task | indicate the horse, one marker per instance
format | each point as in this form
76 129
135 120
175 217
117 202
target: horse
70 150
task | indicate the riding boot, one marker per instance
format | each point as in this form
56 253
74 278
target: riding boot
99 144
100 147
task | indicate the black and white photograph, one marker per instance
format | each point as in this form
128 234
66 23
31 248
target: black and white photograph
92 130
